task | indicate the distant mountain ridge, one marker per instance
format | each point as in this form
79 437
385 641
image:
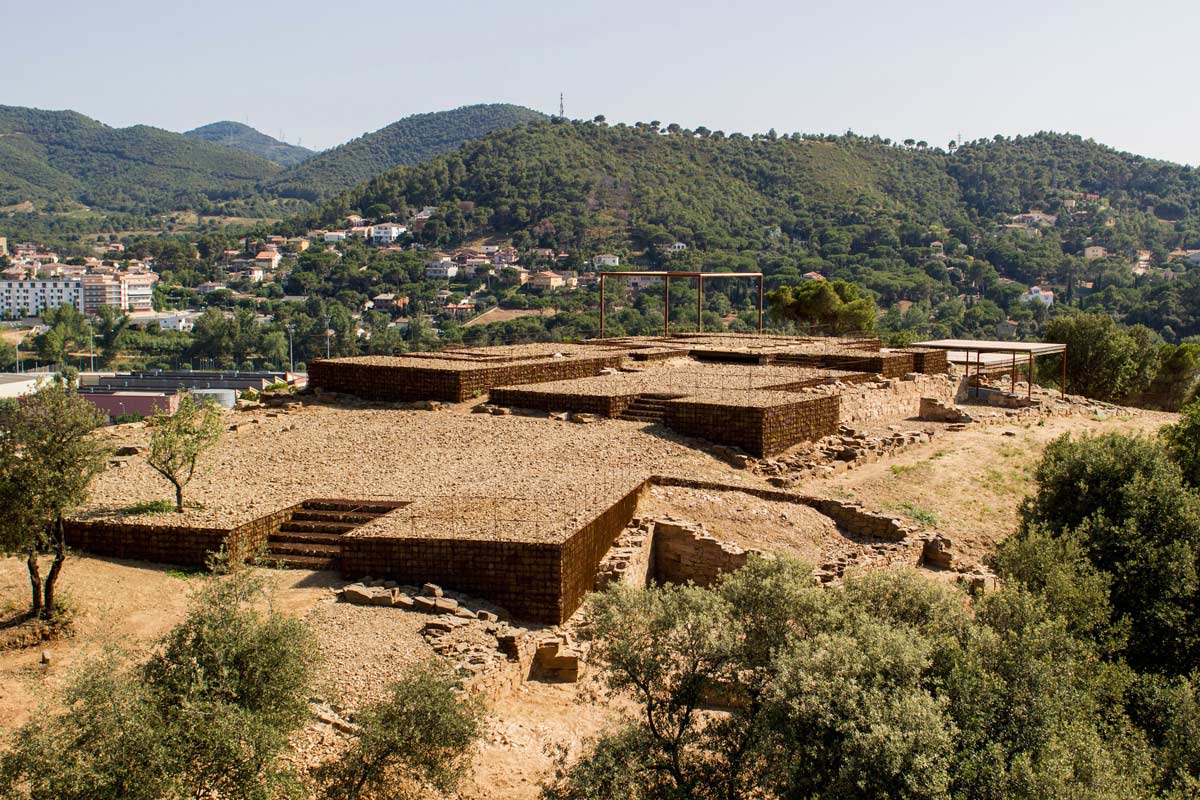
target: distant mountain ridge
248 140
58 159
61 160
411 140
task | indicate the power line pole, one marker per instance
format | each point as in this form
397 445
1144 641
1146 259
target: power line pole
561 113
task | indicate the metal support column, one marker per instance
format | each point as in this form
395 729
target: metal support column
667 306
1012 378
699 304
760 304
1064 370
1029 385
601 305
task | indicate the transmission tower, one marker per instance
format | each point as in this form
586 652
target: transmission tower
560 105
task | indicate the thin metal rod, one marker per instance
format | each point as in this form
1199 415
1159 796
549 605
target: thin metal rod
667 305
1029 384
602 306
700 304
1064 379
760 303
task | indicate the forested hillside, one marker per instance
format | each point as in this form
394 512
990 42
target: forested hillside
248 140
58 159
411 140
920 225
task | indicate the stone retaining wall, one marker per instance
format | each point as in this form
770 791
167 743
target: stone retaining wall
581 554
602 405
404 382
684 551
172 544
893 399
758 431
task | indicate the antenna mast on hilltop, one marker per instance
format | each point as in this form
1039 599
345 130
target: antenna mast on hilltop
560 105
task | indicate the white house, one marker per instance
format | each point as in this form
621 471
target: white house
606 260
1039 295
441 270
1094 252
387 233
334 236
177 322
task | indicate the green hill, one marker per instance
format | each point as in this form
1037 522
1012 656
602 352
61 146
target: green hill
248 140
56 159
411 140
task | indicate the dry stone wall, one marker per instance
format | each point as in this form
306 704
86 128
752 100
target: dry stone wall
892 398
684 551
605 406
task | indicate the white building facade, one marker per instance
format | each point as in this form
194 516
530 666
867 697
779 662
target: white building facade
27 298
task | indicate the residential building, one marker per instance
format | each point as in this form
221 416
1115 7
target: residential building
334 236
1094 251
209 287
1035 218
23 298
441 270
1039 295
813 276
937 249
387 233
606 260
546 280
389 302
267 261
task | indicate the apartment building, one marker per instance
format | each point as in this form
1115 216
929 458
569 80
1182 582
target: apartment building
22 298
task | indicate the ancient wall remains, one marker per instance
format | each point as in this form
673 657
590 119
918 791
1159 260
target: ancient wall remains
892 398
684 551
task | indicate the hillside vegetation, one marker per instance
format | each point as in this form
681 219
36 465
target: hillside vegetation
411 140
59 159
248 140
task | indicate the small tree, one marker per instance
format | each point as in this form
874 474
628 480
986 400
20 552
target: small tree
47 460
179 440
417 737
1183 442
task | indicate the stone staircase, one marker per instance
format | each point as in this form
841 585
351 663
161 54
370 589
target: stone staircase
649 408
311 536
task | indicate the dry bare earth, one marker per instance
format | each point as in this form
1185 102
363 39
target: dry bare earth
971 482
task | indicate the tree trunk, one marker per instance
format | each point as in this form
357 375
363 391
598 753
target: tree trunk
35 581
60 555
178 498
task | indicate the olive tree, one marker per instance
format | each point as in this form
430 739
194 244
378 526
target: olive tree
416 737
48 458
178 440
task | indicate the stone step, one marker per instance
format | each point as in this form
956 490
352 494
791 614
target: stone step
299 537
303 549
643 416
293 526
314 515
305 562
355 506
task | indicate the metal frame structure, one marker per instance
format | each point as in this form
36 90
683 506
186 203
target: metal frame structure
1030 349
666 276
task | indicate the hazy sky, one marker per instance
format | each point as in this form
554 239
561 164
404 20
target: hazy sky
1123 73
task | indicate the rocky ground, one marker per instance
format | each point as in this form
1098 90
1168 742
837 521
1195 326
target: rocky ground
965 483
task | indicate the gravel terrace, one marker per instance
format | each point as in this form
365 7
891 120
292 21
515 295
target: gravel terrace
496 477
683 376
